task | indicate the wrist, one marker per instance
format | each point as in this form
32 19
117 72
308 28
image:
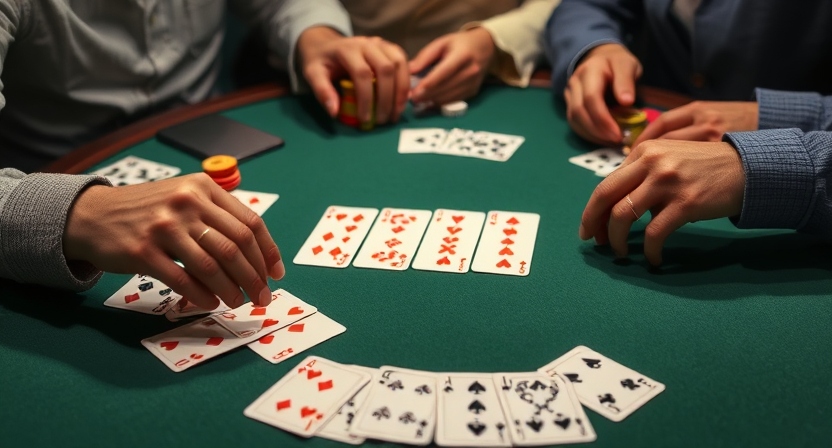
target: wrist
485 43
80 219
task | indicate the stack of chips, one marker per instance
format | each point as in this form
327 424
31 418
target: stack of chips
223 170
349 108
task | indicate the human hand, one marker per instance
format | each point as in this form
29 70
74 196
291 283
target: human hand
586 109
702 121
144 228
679 182
462 60
326 55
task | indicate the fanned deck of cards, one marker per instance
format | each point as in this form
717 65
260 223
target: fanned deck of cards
443 240
460 142
350 403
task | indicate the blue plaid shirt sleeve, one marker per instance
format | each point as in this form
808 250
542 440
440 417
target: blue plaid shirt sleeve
807 111
788 177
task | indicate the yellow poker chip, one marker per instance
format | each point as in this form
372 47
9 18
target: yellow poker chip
219 166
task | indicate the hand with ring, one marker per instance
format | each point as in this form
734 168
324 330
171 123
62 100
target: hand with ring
676 181
223 245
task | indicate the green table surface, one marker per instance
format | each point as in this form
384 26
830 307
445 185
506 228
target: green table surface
736 323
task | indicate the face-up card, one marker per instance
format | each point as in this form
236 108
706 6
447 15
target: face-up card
339 427
401 407
412 141
457 143
297 337
602 384
184 309
308 396
248 319
143 294
469 411
256 201
494 146
337 237
604 160
449 242
507 243
135 170
393 240
542 410
193 343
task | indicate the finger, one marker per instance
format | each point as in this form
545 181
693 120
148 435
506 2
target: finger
440 74
578 117
623 215
669 121
402 90
661 226
428 55
603 125
608 193
177 278
235 266
602 236
385 86
320 82
625 71
361 75
463 85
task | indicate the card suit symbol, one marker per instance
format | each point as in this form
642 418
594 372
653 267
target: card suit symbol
310 374
267 339
454 230
345 239
131 298
509 232
503 264
317 249
196 356
335 252
324 385
269 323
258 311
253 201
398 229
340 216
450 240
507 241
476 427
169 345
306 411
350 228
443 260
513 221
216 340
285 404
457 219
296 328
295 310
506 251
328 236
358 218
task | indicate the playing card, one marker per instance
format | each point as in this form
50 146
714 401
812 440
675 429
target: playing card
308 396
335 240
184 309
401 407
256 201
144 294
413 141
494 146
507 243
133 170
449 242
602 384
193 343
457 143
297 337
542 410
469 411
604 160
338 428
393 240
248 319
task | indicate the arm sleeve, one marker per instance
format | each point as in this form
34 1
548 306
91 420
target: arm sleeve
283 21
518 36
788 177
33 214
807 111
577 26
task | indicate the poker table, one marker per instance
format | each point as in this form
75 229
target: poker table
737 324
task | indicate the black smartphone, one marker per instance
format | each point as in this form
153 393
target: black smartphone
213 135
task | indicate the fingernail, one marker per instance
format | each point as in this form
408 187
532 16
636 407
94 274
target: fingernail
265 297
626 97
278 270
581 232
330 107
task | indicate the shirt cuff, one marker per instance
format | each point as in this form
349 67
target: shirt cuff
779 178
32 229
781 110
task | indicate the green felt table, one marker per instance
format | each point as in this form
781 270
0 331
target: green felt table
736 323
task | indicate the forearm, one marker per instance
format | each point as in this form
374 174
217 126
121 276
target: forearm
807 111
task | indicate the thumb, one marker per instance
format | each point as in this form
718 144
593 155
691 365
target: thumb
625 71
320 82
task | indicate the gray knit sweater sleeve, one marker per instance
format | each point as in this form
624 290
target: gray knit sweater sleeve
33 214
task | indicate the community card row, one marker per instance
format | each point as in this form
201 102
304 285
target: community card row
460 142
443 240
351 403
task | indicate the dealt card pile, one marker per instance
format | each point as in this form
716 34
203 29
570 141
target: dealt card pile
350 403
460 142
443 240
601 161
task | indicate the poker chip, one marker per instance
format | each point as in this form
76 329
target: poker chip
219 166
455 109
231 185
235 176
